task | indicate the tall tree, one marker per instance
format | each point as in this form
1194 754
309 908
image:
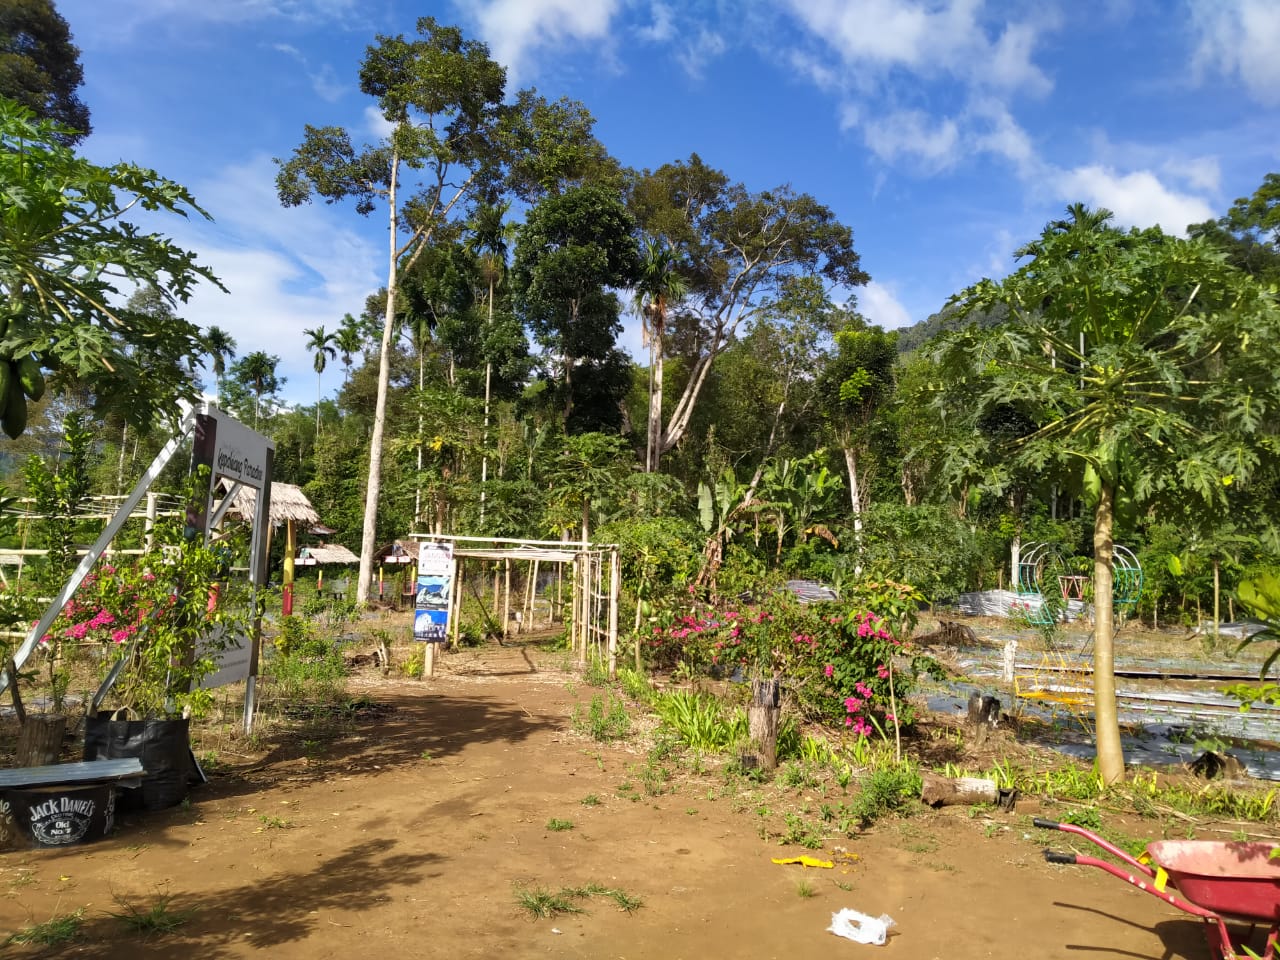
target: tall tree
857 382
222 347
66 256
739 248
572 249
1249 233
444 99
349 341
257 372
40 66
322 347
1173 398
489 240
659 288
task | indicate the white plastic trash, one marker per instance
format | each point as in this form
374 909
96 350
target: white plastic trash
860 928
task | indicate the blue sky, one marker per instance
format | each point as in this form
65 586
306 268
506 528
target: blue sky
944 132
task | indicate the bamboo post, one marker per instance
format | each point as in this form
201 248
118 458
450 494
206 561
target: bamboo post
150 521
560 590
455 605
533 594
506 595
428 660
290 548
497 587
615 580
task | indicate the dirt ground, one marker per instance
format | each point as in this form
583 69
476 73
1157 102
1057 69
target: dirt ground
410 833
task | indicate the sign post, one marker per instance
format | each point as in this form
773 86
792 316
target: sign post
433 599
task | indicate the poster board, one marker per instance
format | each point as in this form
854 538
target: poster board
433 594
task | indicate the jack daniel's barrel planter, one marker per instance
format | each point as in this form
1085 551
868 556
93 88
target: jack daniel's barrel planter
56 816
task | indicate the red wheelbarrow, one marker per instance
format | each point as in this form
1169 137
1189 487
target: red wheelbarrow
1217 880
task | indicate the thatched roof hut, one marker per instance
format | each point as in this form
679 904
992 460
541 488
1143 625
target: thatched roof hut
288 502
325 553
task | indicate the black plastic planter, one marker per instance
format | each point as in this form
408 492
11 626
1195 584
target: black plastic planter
163 746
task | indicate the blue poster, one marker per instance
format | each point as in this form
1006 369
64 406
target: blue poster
434 593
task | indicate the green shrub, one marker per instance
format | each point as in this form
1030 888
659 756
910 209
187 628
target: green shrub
606 718
887 790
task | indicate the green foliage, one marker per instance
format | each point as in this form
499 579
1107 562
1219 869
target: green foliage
1260 595
635 685
699 720
40 67
313 672
52 933
66 256
556 825
158 919
605 719
295 632
887 790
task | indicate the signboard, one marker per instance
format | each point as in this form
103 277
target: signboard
434 592
233 655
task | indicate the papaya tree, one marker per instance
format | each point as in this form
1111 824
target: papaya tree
68 255
1146 365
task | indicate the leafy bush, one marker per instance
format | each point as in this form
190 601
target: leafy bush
606 718
887 790
699 720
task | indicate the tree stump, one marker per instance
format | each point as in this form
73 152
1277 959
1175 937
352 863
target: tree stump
943 791
984 716
762 721
40 740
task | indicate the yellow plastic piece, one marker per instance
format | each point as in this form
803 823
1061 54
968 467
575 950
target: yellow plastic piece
1162 879
806 862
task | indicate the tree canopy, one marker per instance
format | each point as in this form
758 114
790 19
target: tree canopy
40 67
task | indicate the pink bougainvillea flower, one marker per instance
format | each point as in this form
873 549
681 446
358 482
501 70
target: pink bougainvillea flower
882 671
828 670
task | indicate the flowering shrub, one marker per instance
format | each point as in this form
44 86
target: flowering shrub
836 658
168 612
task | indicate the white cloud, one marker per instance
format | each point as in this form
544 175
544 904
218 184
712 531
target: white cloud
1138 199
1003 136
285 269
705 47
663 26
879 36
377 125
100 22
515 29
1240 38
913 134
877 303
324 81
1198 173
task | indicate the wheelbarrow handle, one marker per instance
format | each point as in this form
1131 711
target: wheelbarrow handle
1044 824
1051 856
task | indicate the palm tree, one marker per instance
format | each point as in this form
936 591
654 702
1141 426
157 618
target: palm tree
489 240
259 371
349 340
660 286
222 347
322 346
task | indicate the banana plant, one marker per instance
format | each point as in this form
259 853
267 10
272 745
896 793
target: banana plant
1260 595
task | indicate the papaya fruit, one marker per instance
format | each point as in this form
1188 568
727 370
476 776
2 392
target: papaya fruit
6 374
14 420
30 377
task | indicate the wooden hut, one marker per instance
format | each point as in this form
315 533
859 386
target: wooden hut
290 506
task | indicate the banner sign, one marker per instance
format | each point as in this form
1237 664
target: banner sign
434 593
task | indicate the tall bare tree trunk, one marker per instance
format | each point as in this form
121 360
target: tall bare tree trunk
484 439
417 480
368 536
1106 722
855 490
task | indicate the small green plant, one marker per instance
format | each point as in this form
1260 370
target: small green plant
542 904
590 800
800 831
273 823
53 932
805 890
1084 817
655 778
635 684
556 825
698 720
888 790
606 718
596 673
159 918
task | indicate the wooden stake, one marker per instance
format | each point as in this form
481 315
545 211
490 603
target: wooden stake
506 596
615 580
429 661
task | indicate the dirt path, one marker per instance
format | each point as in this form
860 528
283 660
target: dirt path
410 836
